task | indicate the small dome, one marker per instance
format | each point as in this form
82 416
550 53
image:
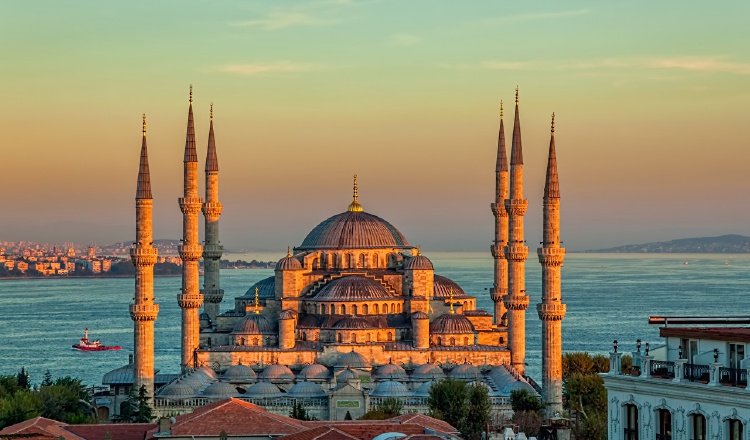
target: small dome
465 371
352 288
428 371
306 389
353 323
354 230
177 389
315 372
353 360
418 262
390 388
443 288
347 375
220 389
208 371
239 373
263 389
277 373
204 317
255 324
286 314
192 382
266 289
391 371
419 315
451 323
122 375
289 263
424 389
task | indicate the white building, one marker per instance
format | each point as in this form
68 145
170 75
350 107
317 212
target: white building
694 386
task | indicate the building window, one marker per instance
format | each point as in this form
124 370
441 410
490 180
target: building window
697 427
316 264
466 341
354 337
339 335
453 341
304 336
362 260
343 309
735 429
631 422
354 309
665 425
364 309
439 341
375 260
376 309
369 338
390 337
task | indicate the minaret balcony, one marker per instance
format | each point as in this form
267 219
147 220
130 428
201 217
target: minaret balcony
498 210
551 256
516 253
190 205
212 210
498 250
189 300
213 296
497 294
551 311
143 256
516 302
144 312
516 207
213 251
190 252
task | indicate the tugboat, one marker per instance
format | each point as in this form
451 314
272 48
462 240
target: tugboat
95 345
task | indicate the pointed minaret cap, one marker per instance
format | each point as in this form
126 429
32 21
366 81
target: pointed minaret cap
502 156
190 153
355 206
212 161
516 152
552 184
143 191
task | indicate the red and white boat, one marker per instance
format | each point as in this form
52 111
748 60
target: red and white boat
86 345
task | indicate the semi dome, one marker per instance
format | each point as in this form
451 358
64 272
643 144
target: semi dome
266 289
391 371
177 389
428 371
451 323
255 324
418 262
263 389
424 389
277 373
354 230
347 375
315 372
239 373
390 388
353 323
419 315
220 389
443 288
352 288
353 360
465 371
306 389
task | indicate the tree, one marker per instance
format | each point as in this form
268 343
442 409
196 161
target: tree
522 400
23 379
136 408
23 405
585 393
447 401
65 399
477 412
390 406
300 413
47 379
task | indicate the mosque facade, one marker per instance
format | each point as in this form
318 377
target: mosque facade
353 314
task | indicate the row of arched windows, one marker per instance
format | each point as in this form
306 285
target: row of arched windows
697 429
353 309
354 261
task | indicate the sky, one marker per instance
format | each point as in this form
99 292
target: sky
651 102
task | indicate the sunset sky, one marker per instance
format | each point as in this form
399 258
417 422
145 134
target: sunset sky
651 102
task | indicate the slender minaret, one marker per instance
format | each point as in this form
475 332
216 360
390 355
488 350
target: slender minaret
516 301
143 312
212 251
500 287
190 299
551 310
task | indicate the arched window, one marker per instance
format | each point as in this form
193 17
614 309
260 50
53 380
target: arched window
631 422
316 264
376 309
354 309
362 260
466 305
393 308
304 336
439 341
453 341
379 337
697 427
343 309
385 308
334 261
368 338
364 309
339 336
390 337
466 341
375 261
255 341
664 417
354 337
352 263
735 429
242 341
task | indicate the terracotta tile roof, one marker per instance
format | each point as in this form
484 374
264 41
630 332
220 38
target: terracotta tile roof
426 422
38 428
116 431
234 416
320 433
409 424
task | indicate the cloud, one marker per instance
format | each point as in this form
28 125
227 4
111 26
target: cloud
404 39
534 16
701 64
268 68
284 19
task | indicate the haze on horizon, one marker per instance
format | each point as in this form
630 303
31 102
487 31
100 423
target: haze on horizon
650 99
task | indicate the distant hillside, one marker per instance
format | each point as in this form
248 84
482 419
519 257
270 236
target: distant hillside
724 244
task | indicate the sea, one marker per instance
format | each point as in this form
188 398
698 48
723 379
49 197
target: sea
609 297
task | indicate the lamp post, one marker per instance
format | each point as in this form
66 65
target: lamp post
638 345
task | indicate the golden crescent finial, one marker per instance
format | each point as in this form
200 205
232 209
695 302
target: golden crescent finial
211 112
552 128
144 125
191 93
419 250
451 300
516 95
501 109
288 251
256 301
355 206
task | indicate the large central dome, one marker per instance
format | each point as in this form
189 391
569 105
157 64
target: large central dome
354 230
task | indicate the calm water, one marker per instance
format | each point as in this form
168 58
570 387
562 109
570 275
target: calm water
608 297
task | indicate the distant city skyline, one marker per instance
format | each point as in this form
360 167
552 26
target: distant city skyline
650 100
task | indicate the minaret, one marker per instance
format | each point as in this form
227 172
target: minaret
516 301
551 310
190 251
500 287
212 251
143 312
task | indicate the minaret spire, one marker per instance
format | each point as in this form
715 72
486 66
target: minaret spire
143 311
212 250
500 286
190 251
516 252
551 310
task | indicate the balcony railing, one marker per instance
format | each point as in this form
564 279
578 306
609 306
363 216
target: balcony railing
662 369
733 376
696 373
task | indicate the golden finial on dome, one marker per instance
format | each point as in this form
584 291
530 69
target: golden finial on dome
144 125
516 95
419 251
211 112
501 109
450 298
355 206
552 129
288 251
256 301
191 93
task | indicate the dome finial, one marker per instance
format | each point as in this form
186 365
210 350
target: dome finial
288 251
191 93
516 95
144 125
211 112
355 206
256 301
451 300
552 128
419 251
501 109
